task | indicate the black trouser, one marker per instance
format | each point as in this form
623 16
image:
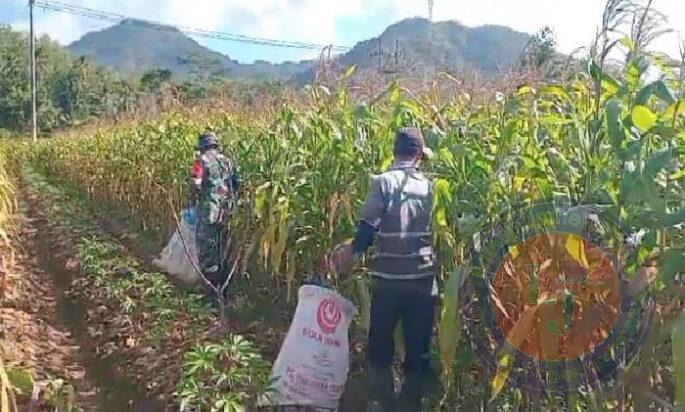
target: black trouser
412 302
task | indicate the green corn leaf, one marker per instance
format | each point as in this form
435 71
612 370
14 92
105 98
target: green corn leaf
660 160
450 326
665 93
658 89
364 302
617 132
643 118
672 263
608 83
441 199
503 368
627 42
21 380
349 72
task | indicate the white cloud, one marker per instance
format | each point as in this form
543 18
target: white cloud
574 22
298 20
315 20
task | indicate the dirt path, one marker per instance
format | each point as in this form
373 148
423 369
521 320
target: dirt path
99 382
35 334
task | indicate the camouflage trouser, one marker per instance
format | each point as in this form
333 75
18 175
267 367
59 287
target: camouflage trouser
211 249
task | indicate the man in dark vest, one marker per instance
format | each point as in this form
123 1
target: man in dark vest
213 185
398 212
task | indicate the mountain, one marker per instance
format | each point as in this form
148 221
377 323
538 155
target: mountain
454 47
136 46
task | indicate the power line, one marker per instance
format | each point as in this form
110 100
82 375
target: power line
63 7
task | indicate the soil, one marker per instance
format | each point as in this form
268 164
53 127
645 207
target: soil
46 329
37 333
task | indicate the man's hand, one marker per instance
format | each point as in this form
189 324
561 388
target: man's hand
343 257
193 196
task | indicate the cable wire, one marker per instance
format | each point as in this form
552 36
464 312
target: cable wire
63 7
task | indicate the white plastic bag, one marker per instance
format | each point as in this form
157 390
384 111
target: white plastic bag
173 260
312 366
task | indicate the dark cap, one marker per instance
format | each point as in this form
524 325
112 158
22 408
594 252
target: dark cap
409 142
207 140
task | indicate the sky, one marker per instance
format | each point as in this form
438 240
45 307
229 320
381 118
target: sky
339 22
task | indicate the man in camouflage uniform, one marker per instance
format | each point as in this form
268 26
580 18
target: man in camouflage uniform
398 218
213 186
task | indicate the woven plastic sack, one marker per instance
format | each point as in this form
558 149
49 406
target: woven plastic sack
312 366
174 260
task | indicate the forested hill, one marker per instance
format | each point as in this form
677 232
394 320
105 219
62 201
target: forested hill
136 46
446 45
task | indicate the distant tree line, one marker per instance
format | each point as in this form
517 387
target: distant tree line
73 90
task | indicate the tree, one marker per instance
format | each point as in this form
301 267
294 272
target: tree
70 90
14 82
205 76
540 49
153 80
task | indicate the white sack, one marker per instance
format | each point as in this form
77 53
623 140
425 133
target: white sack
174 261
312 366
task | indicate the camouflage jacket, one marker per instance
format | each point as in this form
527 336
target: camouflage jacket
214 180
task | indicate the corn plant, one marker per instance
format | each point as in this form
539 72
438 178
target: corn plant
608 136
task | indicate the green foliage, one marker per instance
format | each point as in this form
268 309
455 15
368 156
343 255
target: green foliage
70 91
147 48
146 298
540 49
152 80
60 396
21 381
223 377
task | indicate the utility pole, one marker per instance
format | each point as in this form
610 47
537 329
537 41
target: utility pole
430 32
378 53
397 58
396 55
32 47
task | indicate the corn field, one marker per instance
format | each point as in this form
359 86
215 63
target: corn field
612 136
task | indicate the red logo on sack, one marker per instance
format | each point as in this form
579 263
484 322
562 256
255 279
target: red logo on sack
328 315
